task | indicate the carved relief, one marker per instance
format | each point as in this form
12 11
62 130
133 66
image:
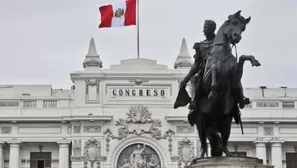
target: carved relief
288 104
108 132
76 151
185 129
175 158
98 164
268 131
138 81
76 158
76 129
138 156
139 115
9 103
92 152
92 149
92 84
267 104
185 152
5 130
92 128
69 129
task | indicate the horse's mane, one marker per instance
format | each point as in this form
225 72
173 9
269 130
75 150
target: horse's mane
236 16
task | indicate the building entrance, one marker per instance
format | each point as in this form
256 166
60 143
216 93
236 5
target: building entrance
40 163
40 159
291 159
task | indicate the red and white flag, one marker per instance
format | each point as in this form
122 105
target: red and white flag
118 14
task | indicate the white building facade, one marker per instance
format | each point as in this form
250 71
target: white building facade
123 117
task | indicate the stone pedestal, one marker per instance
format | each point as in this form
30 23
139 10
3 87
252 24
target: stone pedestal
229 162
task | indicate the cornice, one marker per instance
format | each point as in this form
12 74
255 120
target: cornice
245 120
57 119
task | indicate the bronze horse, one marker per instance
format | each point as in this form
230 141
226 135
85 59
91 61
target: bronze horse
218 101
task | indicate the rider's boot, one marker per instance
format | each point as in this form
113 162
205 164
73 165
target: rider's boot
243 101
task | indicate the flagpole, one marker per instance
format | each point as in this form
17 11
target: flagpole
137 24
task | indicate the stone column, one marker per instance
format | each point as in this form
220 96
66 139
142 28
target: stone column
63 155
14 155
261 150
276 153
1 156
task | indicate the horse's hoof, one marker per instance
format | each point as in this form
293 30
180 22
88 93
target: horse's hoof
256 63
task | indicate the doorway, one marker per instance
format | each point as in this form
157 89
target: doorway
40 159
40 164
291 160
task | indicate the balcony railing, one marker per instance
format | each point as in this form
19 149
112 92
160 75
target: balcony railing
49 103
29 103
274 104
32 104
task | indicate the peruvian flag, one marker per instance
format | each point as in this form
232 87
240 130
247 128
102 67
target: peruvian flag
119 14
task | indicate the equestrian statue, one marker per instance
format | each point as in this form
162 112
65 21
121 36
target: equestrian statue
216 75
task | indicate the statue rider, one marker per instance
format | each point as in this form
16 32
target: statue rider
197 70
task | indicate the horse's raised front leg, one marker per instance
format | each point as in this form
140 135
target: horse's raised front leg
239 72
241 61
213 88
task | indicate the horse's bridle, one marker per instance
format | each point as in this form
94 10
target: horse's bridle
225 43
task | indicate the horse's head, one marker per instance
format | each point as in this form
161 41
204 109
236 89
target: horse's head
234 27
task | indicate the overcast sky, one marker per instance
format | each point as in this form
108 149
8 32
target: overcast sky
43 41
